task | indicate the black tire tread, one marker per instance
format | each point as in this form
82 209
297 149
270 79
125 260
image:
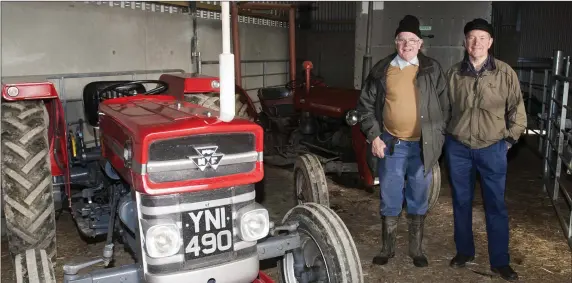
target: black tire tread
311 167
27 179
435 187
334 240
34 266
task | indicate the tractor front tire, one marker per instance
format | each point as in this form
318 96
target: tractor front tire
27 179
327 252
34 266
310 183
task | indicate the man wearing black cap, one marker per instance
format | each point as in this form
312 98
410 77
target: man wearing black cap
487 119
402 118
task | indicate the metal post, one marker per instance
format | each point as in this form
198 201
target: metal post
567 72
561 139
263 74
530 81
367 55
62 95
541 136
556 66
2 220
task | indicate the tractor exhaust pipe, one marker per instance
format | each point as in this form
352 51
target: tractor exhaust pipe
226 68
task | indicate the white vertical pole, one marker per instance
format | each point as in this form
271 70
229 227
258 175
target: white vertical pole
226 68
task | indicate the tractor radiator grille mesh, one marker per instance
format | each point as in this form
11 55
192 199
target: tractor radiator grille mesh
171 209
180 151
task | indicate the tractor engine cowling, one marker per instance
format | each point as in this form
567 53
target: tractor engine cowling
193 203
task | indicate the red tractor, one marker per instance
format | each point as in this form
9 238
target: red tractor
314 127
172 180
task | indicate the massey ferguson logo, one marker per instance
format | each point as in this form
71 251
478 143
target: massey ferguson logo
207 157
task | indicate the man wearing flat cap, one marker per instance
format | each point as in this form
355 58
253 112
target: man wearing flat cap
487 118
403 121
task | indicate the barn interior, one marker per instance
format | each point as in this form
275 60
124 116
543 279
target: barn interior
279 46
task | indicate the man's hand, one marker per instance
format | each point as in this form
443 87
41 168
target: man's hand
378 147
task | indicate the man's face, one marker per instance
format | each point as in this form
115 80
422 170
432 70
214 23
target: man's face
407 45
477 43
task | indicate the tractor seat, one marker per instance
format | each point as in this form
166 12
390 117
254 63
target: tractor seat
277 101
273 93
91 100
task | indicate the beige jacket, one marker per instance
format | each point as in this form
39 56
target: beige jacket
485 108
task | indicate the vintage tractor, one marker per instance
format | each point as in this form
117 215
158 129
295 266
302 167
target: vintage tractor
314 127
172 180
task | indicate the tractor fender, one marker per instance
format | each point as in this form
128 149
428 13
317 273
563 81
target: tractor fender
29 91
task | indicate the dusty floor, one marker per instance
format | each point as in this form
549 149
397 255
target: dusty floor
538 249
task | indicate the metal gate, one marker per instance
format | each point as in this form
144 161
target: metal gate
547 109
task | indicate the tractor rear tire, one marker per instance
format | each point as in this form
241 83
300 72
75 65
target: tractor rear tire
212 101
34 266
435 187
27 179
327 247
310 183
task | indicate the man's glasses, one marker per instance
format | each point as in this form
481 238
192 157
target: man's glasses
410 41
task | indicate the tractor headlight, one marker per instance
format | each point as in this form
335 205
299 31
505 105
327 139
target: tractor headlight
352 117
163 240
254 224
215 84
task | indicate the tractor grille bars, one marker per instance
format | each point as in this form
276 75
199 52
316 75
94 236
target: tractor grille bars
202 156
203 242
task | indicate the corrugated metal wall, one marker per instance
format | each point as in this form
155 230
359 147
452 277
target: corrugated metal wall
334 16
327 38
545 26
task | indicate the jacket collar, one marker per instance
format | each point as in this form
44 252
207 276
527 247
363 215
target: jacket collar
467 69
402 63
380 69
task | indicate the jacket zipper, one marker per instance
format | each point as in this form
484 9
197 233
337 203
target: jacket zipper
475 90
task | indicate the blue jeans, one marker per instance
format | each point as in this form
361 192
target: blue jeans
492 165
405 162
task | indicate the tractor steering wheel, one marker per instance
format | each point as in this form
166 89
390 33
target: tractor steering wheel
130 88
300 82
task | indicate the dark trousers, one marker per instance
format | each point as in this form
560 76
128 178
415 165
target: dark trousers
491 163
405 162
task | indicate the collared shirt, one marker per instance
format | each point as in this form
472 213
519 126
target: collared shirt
467 67
402 63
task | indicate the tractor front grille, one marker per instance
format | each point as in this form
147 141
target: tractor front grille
202 156
175 208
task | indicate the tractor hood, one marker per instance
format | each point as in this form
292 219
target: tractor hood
160 144
144 112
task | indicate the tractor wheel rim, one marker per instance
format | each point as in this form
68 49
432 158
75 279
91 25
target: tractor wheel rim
313 269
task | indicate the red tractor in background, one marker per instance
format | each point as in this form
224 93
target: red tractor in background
314 126
172 180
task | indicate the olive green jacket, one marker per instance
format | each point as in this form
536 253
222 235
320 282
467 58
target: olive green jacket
485 107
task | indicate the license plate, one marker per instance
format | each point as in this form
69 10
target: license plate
207 232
